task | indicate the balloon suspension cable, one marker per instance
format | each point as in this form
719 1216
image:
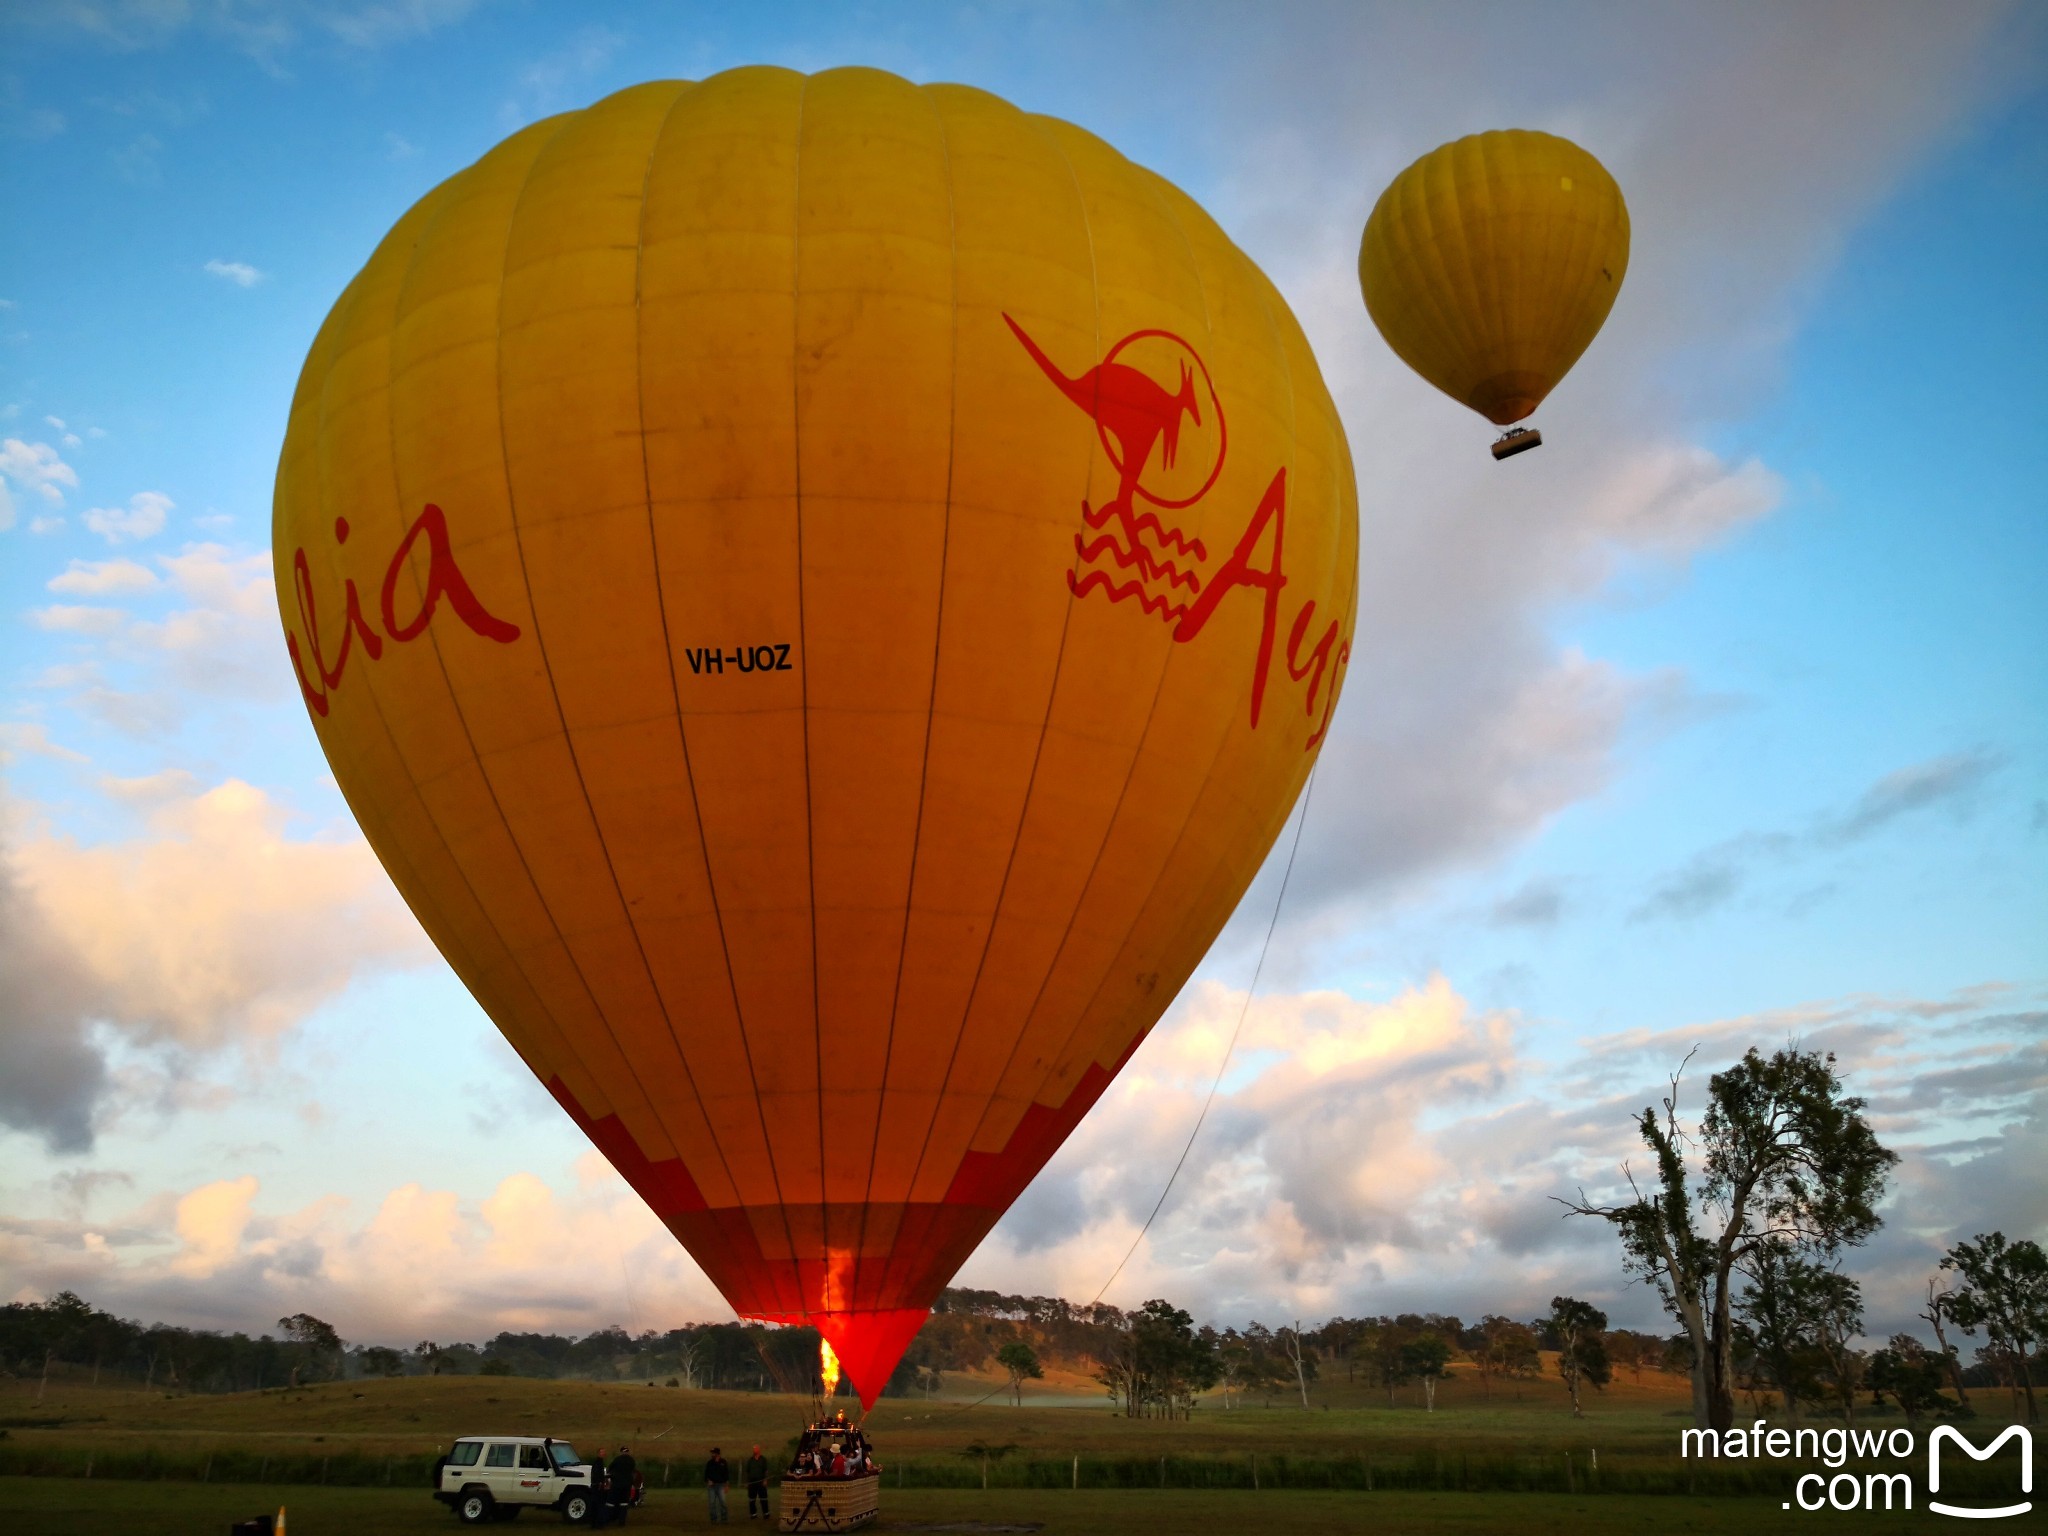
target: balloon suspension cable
1230 1050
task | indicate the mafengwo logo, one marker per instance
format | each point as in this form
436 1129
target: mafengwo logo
1845 1490
1944 1434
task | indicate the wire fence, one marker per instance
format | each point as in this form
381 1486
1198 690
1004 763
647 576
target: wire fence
1573 1472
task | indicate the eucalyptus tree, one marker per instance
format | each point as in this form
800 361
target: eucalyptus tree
2004 1292
1783 1157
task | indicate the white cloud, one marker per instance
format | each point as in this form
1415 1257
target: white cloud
210 1223
215 639
39 525
101 578
549 83
33 737
216 925
215 578
422 1261
240 273
213 928
262 29
142 518
77 619
35 468
225 640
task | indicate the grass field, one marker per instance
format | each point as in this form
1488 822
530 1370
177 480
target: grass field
65 1507
139 1462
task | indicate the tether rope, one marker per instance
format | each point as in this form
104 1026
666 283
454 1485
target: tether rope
1230 1050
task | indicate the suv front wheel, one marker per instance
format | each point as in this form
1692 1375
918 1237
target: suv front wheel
474 1507
575 1507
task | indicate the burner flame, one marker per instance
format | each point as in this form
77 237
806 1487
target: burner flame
828 1367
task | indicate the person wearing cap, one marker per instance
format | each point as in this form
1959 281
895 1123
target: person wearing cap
716 1475
622 1474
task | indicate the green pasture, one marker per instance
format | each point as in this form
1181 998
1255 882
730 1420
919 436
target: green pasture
355 1456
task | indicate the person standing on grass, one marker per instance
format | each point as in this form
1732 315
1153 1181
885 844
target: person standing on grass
716 1475
622 1472
757 1484
598 1511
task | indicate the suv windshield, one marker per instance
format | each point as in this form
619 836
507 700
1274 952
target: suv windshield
564 1456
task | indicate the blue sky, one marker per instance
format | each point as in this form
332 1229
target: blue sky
1719 720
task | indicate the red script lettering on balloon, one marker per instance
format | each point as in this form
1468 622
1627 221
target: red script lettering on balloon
444 579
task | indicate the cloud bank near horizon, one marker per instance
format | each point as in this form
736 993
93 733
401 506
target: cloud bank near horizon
1362 1158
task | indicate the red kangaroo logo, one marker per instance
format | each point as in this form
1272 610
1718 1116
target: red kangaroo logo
444 579
1135 414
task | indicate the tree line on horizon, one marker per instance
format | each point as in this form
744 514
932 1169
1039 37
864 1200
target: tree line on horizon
1152 1361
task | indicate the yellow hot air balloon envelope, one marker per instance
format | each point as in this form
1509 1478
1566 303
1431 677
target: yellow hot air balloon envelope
1490 264
821 592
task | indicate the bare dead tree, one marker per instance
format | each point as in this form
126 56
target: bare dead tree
1936 1312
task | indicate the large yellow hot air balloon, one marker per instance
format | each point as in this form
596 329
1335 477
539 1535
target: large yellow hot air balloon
821 592
1490 264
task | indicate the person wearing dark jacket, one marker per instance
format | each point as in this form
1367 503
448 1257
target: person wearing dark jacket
622 1473
597 1487
757 1484
716 1475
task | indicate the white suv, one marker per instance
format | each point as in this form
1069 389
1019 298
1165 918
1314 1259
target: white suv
493 1477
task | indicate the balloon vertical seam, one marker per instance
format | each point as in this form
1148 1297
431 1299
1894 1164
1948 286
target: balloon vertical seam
1164 204
554 696
803 652
668 657
932 696
796 427
1051 693
517 960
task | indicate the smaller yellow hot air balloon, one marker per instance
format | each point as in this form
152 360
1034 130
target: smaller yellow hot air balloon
1490 264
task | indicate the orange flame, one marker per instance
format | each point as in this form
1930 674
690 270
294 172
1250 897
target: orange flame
828 1367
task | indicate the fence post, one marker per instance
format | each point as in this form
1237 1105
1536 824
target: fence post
206 1473
1162 1471
88 1466
1255 1471
1077 1471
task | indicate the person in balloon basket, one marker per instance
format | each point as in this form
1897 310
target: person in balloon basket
619 1494
717 1473
756 1473
598 1509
